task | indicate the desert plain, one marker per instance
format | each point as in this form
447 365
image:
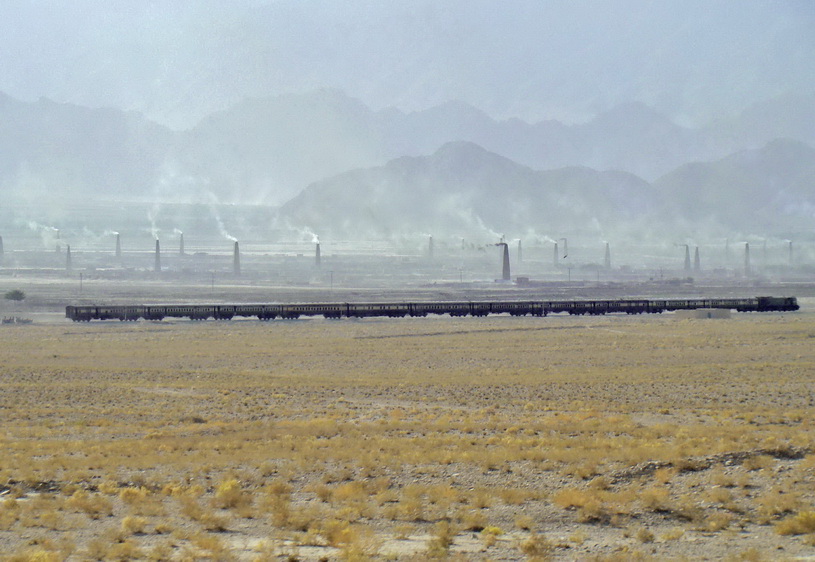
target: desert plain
499 438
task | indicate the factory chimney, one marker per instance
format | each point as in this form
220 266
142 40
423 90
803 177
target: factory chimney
2 252
317 255
607 260
118 246
747 259
157 264
790 251
68 265
505 273
430 247
520 252
181 244
697 264
687 257
236 259
555 256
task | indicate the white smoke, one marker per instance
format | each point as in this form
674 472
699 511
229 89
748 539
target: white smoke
48 234
216 215
152 215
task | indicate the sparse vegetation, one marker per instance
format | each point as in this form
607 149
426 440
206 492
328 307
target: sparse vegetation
459 439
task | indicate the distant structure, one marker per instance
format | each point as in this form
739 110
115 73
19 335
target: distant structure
317 258
556 257
607 258
181 244
791 262
687 257
118 247
747 259
520 252
727 252
430 247
697 264
2 251
157 264
236 259
68 264
505 274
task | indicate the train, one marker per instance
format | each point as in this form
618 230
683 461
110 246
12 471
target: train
86 313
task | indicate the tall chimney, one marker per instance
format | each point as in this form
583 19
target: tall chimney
505 273
2 252
790 250
727 252
68 265
157 264
520 252
118 246
697 264
430 247
181 244
687 257
317 255
607 260
236 259
555 256
747 259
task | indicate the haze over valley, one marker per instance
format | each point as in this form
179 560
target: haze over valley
667 123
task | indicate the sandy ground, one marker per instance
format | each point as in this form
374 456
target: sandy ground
492 439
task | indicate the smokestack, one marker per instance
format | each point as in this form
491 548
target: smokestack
430 247
790 250
505 273
236 259
697 265
556 256
727 252
520 252
68 265
607 260
2 251
157 265
687 257
118 246
181 244
747 259
317 255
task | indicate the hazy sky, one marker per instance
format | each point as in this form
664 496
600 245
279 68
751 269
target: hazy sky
178 60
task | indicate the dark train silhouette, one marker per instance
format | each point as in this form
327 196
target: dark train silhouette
393 310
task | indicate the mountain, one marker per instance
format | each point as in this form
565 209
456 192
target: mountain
270 148
770 189
50 150
465 190
178 62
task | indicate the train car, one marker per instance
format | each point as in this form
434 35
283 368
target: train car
365 310
514 308
293 311
480 308
80 313
452 308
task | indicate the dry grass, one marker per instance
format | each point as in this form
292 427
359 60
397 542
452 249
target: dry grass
399 439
